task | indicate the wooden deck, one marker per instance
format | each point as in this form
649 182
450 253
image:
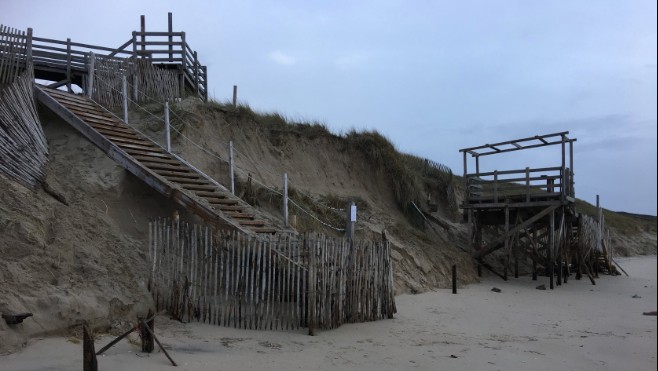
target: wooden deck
65 62
148 161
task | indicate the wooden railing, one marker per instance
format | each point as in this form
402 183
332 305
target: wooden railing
165 49
525 185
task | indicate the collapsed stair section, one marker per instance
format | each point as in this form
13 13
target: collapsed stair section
151 163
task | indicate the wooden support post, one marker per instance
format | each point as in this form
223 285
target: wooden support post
28 46
454 278
90 74
167 127
135 69
170 30
477 165
495 186
144 325
196 73
350 220
124 93
235 95
142 28
89 354
183 66
516 260
68 66
563 168
571 182
285 199
534 269
550 248
231 164
507 241
146 336
527 184
467 196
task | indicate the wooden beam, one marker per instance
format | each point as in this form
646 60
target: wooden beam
494 245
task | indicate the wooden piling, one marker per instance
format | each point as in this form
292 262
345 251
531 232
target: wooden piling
89 354
454 279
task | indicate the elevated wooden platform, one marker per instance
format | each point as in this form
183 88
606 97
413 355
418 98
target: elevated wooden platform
145 159
526 213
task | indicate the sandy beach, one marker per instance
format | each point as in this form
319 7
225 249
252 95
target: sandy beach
577 326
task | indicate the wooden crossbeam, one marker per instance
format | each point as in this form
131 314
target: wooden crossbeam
496 244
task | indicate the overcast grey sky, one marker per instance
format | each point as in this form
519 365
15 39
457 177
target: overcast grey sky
432 76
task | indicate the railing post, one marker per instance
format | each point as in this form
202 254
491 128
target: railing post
196 73
183 65
235 95
167 129
124 93
527 184
495 186
142 22
28 46
171 39
68 65
231 166
90 74
135 70
205 83
285 199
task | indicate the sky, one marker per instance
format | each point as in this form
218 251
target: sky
432 76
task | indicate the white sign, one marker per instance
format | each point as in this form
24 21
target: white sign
353 213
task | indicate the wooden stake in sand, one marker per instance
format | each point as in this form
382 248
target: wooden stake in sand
89 358
148 329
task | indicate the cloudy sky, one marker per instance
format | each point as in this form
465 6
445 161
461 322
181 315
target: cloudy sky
432 76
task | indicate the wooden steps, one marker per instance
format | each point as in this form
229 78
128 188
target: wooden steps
151 163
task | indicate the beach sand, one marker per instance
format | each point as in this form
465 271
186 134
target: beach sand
577 326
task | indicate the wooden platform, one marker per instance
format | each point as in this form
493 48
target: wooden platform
151 163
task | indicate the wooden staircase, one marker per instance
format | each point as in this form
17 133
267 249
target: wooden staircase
161 170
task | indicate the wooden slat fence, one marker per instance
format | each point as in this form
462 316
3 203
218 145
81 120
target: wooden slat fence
13 49
23 146
281 283
69 60
145 83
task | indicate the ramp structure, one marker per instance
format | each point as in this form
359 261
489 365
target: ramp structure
165 172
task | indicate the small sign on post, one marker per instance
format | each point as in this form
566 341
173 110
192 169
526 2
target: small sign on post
351 220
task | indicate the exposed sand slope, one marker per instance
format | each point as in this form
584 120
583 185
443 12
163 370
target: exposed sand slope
575 327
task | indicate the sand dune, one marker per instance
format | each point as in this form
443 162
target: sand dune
575 327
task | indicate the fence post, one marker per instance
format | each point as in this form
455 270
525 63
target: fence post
90 74
312 284
350 220
235 95
231 166
124 92
285 199
167 130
